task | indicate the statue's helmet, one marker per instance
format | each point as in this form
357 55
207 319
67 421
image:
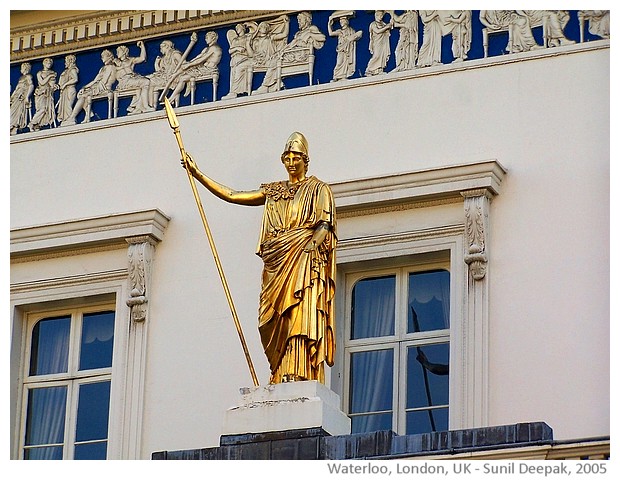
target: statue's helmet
297 143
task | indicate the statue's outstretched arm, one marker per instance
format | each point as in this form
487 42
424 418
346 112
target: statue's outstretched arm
252 197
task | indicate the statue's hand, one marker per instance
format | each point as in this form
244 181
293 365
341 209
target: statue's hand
310 246
188 163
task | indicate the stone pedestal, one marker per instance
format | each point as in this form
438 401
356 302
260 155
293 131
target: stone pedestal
287 406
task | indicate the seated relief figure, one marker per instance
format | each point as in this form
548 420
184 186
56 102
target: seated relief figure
203 65
297 245
166 66
554 22
268 42
130 80
307 38
101 84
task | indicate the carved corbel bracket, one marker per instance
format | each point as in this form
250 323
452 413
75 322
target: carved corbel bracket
476 205
140 256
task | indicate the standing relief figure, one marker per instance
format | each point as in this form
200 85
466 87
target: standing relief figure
44 97
102 83
67 84
20 99
347 43
241 53
407 47
128 79
166 66
204 64
268 42
379 45
458 23
437 24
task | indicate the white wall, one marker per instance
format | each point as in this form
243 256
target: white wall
546 120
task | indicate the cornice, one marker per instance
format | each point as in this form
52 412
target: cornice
421 188
110 27
88 234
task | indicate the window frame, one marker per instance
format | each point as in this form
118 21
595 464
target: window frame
401 340
73 378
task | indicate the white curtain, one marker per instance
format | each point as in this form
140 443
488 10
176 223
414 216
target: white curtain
372 371
46 421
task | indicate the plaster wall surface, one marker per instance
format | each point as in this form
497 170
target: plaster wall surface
545 120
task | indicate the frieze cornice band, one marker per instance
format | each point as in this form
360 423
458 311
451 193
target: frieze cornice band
100 29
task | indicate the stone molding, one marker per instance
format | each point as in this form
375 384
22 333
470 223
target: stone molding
86 235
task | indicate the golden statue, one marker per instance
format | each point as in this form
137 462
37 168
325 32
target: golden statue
297 245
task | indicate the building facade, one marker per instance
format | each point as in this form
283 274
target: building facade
469 157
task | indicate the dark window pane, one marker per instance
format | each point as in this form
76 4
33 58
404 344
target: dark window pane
97 340
371 381
423 421
91 451
371 423
45 421
373 307
43 453
427 375
93 410
429 301
50 346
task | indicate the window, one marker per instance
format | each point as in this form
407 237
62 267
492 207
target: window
397 348
66 387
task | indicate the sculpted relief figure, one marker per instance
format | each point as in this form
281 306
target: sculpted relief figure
128 79
518 22
379 44
67 84
44 97
102 83
407 46
308 36
205 64
347 42
430 52
297 245
166 66
437 24
268 41
241 53
458 23
20 99
555 22
598 21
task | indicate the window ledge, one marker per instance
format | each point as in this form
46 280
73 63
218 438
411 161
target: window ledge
65 238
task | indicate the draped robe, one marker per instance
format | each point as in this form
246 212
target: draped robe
296 312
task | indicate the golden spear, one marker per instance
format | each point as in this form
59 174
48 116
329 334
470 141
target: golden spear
174 124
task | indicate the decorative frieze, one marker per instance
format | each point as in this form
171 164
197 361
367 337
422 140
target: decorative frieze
212 56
